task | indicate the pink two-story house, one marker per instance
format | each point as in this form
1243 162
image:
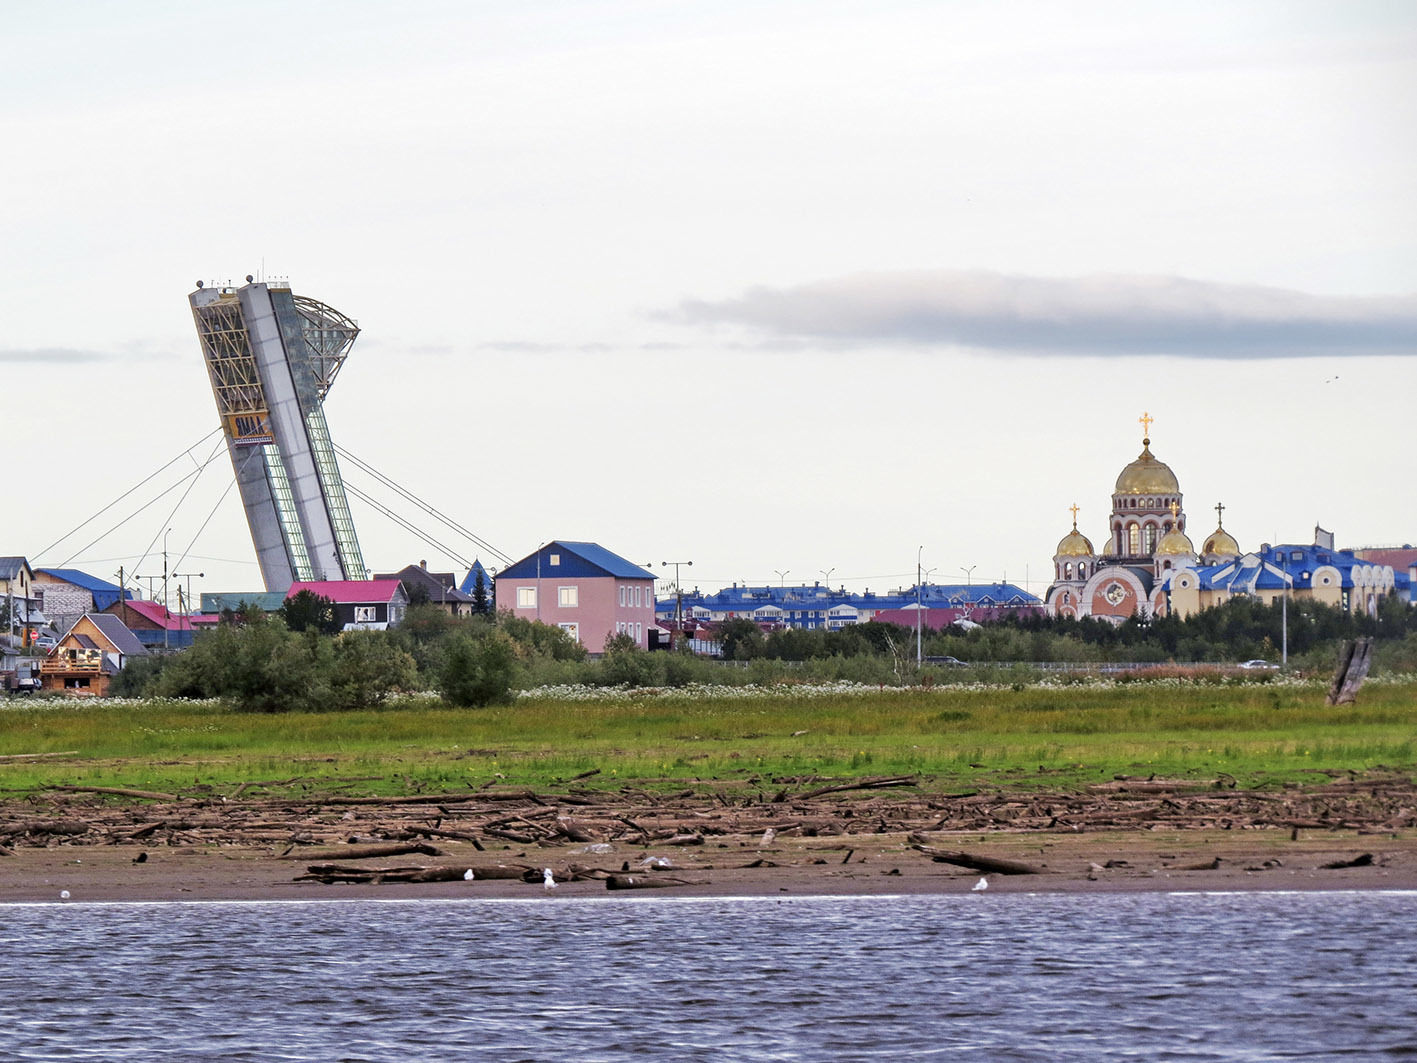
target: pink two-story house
582 588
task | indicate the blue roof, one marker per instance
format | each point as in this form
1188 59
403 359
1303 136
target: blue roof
746 599
563 557
469 584
104 593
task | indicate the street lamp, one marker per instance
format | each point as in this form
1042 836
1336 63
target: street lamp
827 575
781 576
967 571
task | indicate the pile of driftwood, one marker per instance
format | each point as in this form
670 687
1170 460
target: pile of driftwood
489 818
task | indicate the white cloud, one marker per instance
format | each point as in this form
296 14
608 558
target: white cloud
1103 315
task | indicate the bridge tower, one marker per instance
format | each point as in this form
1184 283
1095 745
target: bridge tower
272 356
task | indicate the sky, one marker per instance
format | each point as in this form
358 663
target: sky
793 291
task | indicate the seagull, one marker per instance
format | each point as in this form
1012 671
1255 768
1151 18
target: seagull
468 876
768 836
63 895
548 879
982 884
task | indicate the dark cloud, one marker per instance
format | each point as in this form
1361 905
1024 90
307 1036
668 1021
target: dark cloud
50 355
1100 315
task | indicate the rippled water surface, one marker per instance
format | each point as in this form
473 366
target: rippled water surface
1245 977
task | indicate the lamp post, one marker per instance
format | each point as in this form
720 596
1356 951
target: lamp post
827 575
967 574
781 576
1284 621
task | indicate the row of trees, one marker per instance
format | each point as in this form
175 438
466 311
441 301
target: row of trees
1240 629
295 660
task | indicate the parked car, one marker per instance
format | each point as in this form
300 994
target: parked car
948 662
1257 664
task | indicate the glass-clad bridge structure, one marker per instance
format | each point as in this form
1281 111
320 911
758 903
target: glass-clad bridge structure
272 356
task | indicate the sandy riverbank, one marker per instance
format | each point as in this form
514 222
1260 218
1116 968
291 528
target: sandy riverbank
874 865
853 837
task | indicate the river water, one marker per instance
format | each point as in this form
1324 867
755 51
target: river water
985 977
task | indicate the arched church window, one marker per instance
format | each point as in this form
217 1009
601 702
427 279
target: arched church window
1149 539
1082 570
1133 540
1068 570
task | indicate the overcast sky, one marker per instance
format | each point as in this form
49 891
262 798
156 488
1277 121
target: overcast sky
775 287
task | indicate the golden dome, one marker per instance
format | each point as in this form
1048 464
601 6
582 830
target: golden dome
1175 542
1221 542
1147 476
1074 544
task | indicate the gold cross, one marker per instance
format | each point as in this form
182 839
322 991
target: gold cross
1074 508
1175 506
1145 421
1219 513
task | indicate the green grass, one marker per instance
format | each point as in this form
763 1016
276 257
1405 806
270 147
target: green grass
1262 734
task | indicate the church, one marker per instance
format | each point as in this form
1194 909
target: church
1149 566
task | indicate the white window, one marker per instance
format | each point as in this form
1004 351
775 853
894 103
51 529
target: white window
526 597
572 629
555 559
568 597
365 614
622 595
637 596
639 632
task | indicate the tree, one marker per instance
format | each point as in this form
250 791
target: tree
308 611
477 668
740 639
623 663
365 667
481 605
259 666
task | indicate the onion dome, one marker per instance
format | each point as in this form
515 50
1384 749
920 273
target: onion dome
1221 543
1173 543
1147 476
1074 544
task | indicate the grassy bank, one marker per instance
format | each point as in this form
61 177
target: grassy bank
962 737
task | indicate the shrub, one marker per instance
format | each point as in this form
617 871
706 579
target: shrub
477 669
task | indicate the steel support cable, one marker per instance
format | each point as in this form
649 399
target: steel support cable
75 530
152 501
219 501
410 496
386 511
167 522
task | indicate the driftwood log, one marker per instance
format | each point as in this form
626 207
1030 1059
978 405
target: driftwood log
369 852
1354 659
645 882
117 791
988 864
374 876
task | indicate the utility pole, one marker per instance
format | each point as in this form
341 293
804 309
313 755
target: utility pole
187 609
919 651
122 596
678 593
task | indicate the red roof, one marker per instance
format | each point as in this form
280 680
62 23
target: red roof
349 591
158 614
